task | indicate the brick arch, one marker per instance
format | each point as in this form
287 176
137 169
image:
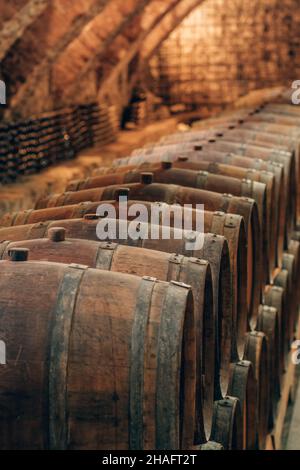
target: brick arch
13 24
118 53
33 45
161 18
38 72
147 43
167 26
78 57
45 43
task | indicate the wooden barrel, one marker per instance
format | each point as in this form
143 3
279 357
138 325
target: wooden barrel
229 225
289 264
131 174
209 155
252 134
245 145
199 180
156 148
277 124
244 274
292 133
31 216
282 110
268 323
227 426
169 174
284 98
78 391
216 225
149 191
185 177
247 132
280 127
256 351
215 250
264 177
251 167
181 195
248 126
243 128
225 169
285 158
249 149
237 131
26 232
292 121
245 280
141 262
282 278
166 174
243 385
294 249
274 296
260 138
272 177
272 122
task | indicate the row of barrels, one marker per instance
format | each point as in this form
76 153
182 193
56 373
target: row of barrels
142 343
29 146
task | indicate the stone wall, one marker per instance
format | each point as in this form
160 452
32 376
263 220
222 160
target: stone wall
224 49
57 53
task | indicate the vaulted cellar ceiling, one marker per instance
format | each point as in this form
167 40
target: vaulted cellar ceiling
57 52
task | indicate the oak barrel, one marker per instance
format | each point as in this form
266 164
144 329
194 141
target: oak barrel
227 426
215 250
76 391
179 195
142 262
243 386
256 351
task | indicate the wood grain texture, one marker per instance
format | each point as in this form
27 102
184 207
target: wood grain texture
67 380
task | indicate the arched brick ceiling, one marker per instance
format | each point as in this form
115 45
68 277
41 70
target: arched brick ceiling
117 55
149 41
166 26
13 26
9 9
27 63
51 45
50 48
78 56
